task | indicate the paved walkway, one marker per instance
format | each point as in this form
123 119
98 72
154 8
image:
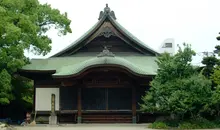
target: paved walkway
87 127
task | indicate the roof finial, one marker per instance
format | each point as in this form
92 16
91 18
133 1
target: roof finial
107 11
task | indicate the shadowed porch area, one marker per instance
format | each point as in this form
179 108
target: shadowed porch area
102 95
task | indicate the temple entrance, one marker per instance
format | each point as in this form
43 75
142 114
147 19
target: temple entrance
109 96
108 99
101 105
106 105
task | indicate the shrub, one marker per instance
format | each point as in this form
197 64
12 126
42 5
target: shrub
172 123
217 122
177 89
203 123
158 125
187 125
197 123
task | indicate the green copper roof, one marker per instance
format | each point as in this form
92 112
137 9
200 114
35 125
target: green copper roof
143 65
77 63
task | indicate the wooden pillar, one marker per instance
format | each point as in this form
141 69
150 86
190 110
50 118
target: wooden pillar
133 104
79 104
34 98
60 107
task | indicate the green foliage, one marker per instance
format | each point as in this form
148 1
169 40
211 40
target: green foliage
188 125
158 125
197 123
215 77
210 62
217 122
177 89
5 88
213 106
178 66
23 24
179 97
172 123
23 89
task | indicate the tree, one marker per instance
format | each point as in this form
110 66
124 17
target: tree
215 76
177 89
212 71
175 66
214 105
23 24
210 62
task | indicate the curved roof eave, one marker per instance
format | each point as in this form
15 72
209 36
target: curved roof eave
103 61
103 65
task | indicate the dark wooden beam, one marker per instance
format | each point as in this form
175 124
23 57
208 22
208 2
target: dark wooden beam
47 86
68 83
34 98
108 86
133 104
79 105
60 107
95 111
46 113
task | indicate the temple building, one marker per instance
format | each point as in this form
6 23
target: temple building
100 78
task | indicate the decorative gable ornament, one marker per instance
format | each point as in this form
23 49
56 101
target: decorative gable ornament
106 52
107 11
107 32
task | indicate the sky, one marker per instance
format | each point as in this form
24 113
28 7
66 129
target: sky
196 22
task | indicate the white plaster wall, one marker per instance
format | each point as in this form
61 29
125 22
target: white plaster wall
43 99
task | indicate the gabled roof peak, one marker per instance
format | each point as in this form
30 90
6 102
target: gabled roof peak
107 11
106 26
